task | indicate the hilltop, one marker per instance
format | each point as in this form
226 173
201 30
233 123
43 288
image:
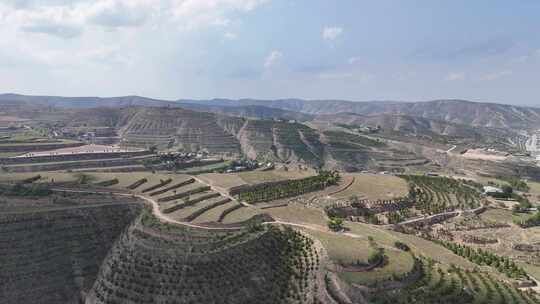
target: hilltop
450 110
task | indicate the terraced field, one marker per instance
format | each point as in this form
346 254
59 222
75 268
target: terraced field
54 256
80 164
300 141
184 199
351 150
375 187
258 139
179 128
440 194
156 262
441 284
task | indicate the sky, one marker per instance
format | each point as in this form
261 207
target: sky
411 50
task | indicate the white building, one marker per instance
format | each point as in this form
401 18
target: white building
491 189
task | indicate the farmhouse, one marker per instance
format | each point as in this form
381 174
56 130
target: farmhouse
488 190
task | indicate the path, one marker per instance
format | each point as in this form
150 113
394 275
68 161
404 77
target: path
451 149
221 191
155 208
426 218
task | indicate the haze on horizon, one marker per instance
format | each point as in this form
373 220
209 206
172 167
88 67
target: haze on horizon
268 49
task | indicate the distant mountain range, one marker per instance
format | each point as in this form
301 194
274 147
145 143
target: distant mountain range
452 111
317 132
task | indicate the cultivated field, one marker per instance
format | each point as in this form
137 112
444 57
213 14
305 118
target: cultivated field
79 150
375 187
483 155
254 177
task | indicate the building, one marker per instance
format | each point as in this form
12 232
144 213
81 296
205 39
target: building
490 190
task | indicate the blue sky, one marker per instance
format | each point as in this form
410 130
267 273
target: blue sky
318 49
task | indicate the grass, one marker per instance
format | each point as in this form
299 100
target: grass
506 217
418 245
348 250
213 214
58 177
240 215
535 187
224 181
532 270
522 216
125 179
375 187
342 248
39 143
497 215
186 211
91 161
255 177
298 214
399 262
10 154
205 169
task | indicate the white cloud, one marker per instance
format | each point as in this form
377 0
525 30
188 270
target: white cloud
65 31
230 36
272 59
68 19
192 14
114 13
330 33
455 76
495 75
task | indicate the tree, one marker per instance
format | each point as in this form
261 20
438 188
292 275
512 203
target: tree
507 190
335 224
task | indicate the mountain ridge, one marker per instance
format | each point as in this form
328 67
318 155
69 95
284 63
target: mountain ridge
450 110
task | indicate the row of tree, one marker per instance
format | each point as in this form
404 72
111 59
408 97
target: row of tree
531 221
274 191
441 194
482 257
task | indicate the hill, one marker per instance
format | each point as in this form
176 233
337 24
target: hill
449 110
58 251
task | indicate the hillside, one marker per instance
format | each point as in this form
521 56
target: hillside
249 111
455 111
450 110
184 129
411 135
163 263
421 127
54 256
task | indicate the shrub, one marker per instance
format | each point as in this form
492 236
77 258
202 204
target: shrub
335 224
402 246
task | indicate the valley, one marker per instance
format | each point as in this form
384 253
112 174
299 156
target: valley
132 200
